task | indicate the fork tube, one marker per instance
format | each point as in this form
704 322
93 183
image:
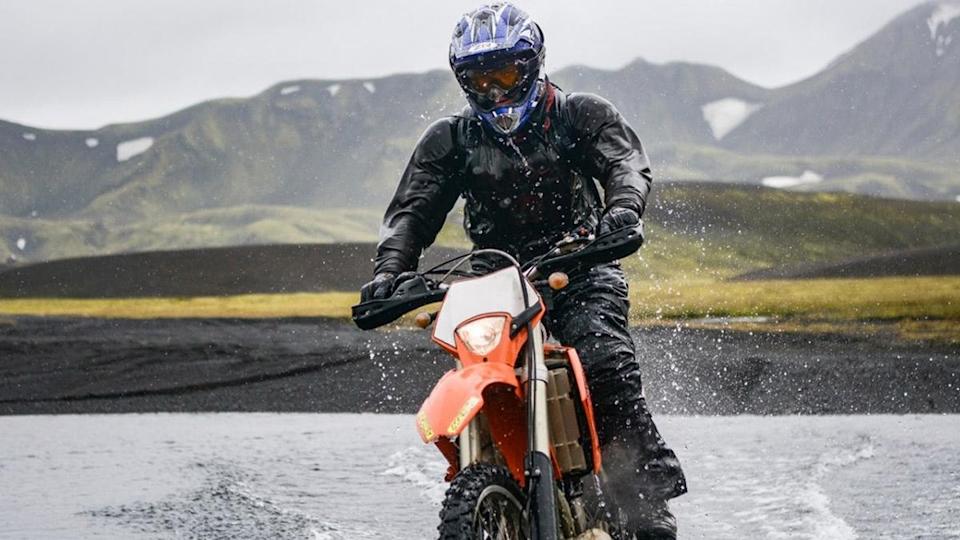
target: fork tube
469 445
543 523
468 441
541 422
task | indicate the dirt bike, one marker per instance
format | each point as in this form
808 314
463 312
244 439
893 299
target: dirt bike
514 419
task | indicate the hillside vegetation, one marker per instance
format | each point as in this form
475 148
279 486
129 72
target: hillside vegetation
695 230
716 230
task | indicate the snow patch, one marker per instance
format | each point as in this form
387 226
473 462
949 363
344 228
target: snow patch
958 198
780 182
333 89
29 136
370 87
942 16
724 115
91 142
287 90
21 243
134 147
942 43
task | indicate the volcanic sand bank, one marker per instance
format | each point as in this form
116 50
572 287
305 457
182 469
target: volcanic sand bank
71 365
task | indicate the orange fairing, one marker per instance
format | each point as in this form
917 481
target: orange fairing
458 397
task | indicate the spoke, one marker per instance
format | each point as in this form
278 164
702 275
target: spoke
498 518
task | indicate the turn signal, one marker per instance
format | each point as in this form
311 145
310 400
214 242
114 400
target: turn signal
423 319
558 280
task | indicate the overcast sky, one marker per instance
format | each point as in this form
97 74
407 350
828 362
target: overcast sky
83 64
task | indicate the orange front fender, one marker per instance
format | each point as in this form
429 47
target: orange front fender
458 397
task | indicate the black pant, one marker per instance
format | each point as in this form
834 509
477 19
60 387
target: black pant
590 314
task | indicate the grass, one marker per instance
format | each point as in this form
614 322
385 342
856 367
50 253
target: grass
333 305
915 308
895 298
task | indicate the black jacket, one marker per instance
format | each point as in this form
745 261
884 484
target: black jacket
523 192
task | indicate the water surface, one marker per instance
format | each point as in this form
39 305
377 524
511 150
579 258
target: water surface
339 477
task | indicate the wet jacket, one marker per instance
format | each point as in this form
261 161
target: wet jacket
522 192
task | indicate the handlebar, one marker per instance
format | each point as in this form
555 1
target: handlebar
604 248
411 294
419 291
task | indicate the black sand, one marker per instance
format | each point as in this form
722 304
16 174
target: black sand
94 365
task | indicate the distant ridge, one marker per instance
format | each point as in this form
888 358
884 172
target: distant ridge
932 261
200 272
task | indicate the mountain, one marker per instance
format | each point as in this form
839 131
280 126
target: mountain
303 159
895 94
325 144
303 143
665 103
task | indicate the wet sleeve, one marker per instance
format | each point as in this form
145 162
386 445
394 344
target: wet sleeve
427 192
610 151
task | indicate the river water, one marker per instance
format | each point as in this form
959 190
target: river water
339 477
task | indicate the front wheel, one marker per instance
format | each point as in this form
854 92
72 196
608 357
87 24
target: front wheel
483 502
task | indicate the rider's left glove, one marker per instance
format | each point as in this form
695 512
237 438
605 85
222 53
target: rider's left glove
618 217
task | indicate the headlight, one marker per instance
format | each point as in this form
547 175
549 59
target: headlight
482 335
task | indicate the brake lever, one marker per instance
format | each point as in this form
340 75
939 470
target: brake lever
573 240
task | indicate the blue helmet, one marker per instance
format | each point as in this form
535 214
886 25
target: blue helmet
497 56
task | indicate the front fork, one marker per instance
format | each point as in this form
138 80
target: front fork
539 465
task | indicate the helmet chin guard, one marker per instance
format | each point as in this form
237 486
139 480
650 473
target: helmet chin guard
497 55
508 119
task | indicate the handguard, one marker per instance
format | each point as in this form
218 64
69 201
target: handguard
411 294
604 248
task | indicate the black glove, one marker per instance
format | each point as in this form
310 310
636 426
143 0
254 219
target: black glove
383 285
618 217
379 288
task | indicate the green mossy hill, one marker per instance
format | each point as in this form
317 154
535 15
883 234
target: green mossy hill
241 225
719 230
700 229
878 176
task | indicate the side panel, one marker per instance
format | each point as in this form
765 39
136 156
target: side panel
458 397
581 377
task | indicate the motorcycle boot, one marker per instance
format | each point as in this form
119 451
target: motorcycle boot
655 521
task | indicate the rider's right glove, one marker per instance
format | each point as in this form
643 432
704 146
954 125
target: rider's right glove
379 288
618 217
383 285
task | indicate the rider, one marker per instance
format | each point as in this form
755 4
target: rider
527 157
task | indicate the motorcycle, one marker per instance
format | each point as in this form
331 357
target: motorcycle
514 418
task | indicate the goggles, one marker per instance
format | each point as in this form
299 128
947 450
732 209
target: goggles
498 79
482 82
